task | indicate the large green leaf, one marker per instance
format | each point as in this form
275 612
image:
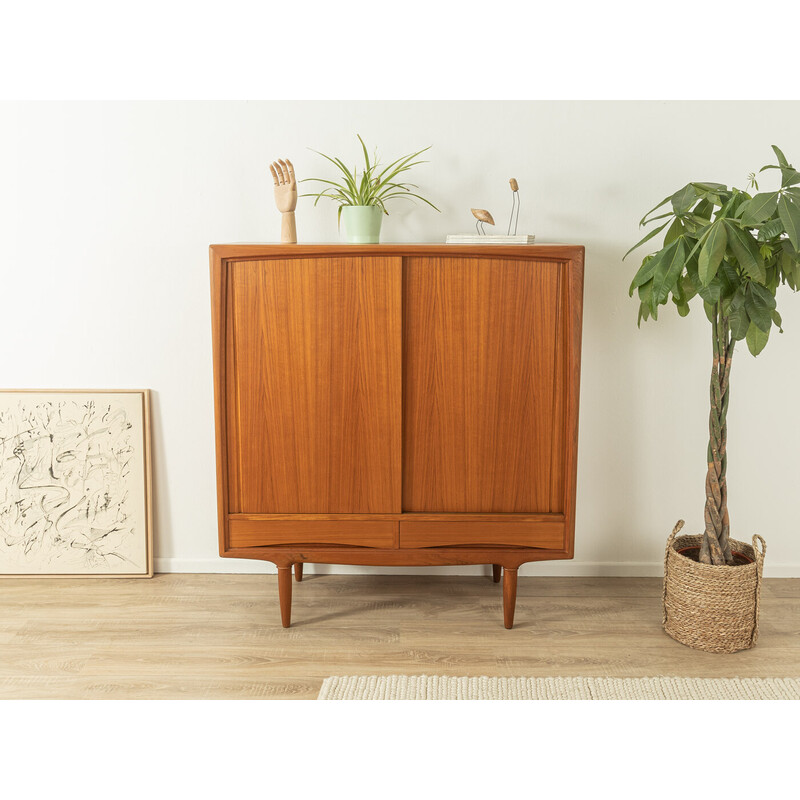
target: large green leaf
655 208
715 193
790 217
711 253
668 271
770 230
781 157
709 186
760 304
756 339
683 199
675 230
760 208
646 238
738 320
764 295
704 209
646 272
711 293
790 177
745 249
688 288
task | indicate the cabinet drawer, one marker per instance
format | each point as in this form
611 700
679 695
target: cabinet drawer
254 532
430 532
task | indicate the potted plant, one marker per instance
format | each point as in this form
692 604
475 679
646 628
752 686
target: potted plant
362 197
732 250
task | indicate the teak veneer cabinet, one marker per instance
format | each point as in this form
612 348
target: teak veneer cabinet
396 405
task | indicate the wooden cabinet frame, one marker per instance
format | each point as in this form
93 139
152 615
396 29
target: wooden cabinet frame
408 538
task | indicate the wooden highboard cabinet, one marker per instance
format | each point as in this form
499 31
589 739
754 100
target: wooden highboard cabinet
396 405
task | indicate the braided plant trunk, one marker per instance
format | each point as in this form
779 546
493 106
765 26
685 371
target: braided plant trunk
716 548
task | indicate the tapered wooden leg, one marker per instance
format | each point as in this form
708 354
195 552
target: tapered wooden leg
496 570
298 571
285 594
509 595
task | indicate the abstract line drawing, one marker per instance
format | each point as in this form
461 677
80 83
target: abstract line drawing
73 483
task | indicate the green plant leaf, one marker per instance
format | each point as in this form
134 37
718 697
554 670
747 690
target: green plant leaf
781 157
756 339
667 271
647 238
704 209
683 309
675 230
688 288
770 230
790 177
709 186
711 293
711 253
745 249
729 280
645 291
683 199
765 297
760 208
760 304
738 320
644 219
645 272
776 318
789 214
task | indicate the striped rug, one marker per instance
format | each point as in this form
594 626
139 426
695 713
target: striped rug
440 687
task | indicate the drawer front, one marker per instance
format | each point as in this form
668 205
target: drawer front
548 535
264 533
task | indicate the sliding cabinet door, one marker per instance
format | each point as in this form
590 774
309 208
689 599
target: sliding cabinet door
482 413
314 390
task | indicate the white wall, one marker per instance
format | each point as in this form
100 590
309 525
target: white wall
107 211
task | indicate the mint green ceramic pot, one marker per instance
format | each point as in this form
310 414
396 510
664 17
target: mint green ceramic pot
362 224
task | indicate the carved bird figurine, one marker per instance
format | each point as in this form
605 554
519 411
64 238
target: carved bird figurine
482 215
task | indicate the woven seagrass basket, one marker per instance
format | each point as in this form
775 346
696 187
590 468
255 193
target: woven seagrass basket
713 608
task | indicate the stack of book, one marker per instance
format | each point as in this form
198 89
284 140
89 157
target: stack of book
474 238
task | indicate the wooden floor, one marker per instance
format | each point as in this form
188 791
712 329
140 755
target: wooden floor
219 636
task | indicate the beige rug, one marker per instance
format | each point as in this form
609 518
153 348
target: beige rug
440 687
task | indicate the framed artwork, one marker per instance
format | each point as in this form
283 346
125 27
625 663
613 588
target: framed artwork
75 483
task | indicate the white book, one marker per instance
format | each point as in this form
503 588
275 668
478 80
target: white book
474 238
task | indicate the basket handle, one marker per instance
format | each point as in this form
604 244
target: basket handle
675 531
759 551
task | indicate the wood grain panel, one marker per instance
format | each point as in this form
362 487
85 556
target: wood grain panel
255 533
479 387
433 533
314 409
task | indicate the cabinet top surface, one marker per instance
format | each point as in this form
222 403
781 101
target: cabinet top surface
566 252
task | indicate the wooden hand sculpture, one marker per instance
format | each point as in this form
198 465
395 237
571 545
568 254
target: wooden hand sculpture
285 197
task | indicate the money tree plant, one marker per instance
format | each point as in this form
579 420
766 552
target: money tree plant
732 250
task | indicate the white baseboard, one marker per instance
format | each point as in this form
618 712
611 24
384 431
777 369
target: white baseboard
578 569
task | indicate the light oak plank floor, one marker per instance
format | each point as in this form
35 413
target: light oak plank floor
219 636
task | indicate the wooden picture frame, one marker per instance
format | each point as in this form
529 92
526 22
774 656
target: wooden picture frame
75 483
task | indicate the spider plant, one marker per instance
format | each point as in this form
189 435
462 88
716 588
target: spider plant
373 186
